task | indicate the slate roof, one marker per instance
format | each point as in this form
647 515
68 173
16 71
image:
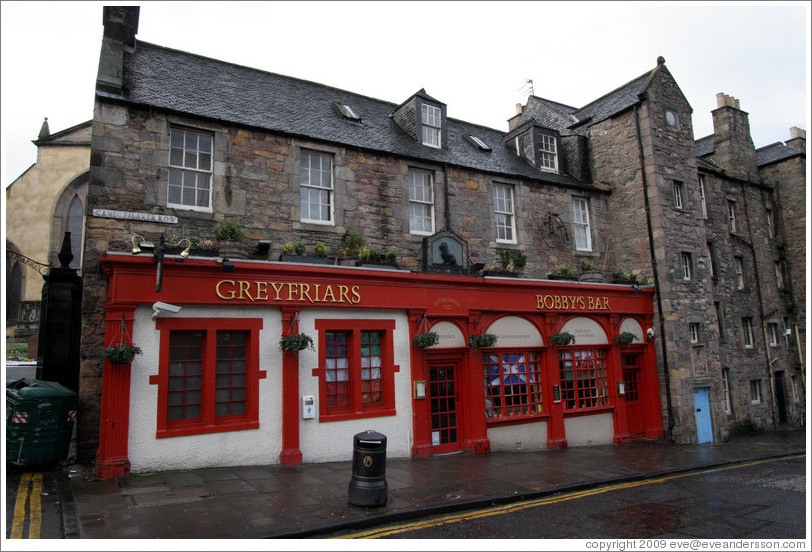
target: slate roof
170 79
774 153
705 146
614 102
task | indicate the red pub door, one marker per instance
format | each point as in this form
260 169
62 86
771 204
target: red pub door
634 409
443 397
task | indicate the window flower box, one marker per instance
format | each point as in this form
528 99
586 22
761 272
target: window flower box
500 272
303 259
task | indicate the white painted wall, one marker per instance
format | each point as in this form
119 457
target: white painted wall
333 441
584 431
235 448
518 437
319 442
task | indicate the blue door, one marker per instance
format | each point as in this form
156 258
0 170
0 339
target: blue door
704 431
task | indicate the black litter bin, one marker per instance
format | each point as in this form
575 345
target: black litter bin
39 421
368 484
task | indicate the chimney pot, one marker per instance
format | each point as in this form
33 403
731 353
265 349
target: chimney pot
720 99
518 109
796 132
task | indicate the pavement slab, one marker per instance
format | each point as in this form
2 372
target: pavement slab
275 501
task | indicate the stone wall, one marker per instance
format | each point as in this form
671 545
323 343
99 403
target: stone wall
256 180
788 179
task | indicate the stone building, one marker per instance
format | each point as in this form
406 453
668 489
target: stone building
610 192
43 203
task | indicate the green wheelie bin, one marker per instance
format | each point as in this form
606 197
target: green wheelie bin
39 422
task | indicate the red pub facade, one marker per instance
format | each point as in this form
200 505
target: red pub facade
218 356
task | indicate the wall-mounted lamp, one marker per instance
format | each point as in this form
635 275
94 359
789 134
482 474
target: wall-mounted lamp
140 243
621 388
649 334
228 266
185 252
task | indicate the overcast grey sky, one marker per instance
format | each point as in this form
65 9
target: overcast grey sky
474 56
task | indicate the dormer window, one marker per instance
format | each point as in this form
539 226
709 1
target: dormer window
538 145
424 119
431 118
548 153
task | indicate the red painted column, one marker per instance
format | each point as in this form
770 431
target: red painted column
649 371
420 407
556 434
290 455
114 429
477 441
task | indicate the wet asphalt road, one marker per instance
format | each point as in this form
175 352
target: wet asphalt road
763 500
33 509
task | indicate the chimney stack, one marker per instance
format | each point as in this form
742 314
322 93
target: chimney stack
797 139
733 146
513 122
120 28
723 100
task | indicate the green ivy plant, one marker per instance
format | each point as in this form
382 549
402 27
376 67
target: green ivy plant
121 353
625 338
426 339
296 342
482 341
562 339
320 250
296 248
229 230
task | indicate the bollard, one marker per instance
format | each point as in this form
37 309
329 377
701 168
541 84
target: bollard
368 484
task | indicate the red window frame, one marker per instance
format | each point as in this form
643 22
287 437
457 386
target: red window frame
209 421
588 388
367 395
513 384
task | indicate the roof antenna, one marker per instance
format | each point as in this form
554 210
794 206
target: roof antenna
524 86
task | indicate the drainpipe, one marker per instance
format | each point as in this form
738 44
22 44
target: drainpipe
660 315
447 208
757 278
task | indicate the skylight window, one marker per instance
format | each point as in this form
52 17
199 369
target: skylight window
478 142
346 111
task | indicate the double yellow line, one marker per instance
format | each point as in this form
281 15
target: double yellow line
533 503
30 491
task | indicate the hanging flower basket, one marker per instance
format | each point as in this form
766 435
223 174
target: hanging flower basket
481 341
426 339
124 351
625 338
562 339
296 342
121 353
